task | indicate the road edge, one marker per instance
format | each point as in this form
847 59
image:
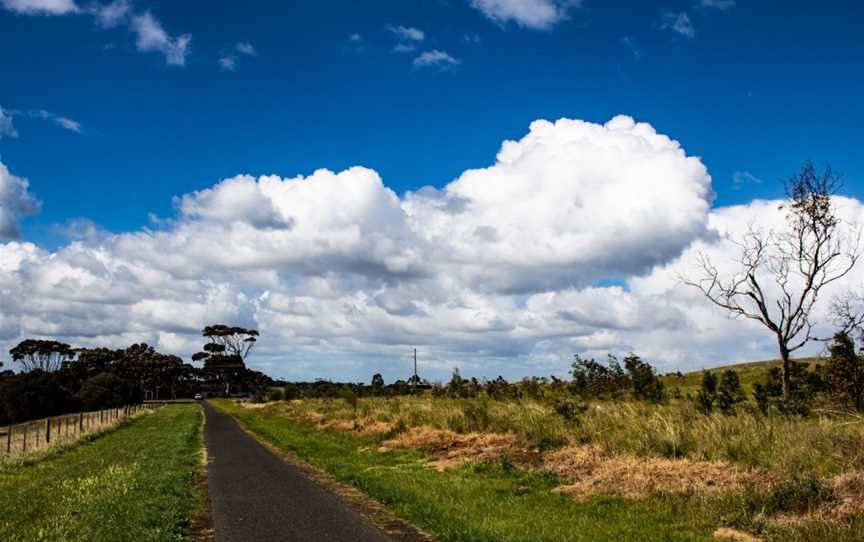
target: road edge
400 530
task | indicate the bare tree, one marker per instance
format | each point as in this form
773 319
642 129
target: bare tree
781 273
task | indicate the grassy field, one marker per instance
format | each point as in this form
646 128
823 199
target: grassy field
136 483
623 470
472 503
749 373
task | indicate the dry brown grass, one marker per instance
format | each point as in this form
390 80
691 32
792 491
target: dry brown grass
593 472
849 488
725 533
452 449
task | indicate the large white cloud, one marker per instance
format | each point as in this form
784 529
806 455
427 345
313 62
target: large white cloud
16 202
500 271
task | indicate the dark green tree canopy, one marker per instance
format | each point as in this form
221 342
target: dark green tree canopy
46 356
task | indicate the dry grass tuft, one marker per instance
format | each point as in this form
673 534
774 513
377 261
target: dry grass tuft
849 488
452 449
725 533
594 472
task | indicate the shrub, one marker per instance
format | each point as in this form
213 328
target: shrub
476 416
500 389
276 394
644 380
801 493
763 400
708 393
349 397
844 373
570 410
729 393
593 380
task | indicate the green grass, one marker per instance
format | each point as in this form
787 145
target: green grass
132 484
824 444
749 373
475 503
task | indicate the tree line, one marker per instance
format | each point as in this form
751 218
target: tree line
54 378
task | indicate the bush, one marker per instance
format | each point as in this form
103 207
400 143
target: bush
708 393
763 400
569 409
594 380
500 389
729 393
476 415
800 494
646 385
844 373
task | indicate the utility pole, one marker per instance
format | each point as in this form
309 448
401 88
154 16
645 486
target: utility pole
416 378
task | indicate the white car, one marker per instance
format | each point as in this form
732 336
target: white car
198 397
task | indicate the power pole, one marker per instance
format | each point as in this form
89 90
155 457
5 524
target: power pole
416 378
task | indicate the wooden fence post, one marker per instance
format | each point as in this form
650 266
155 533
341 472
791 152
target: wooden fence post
9 440
48 430
80 423
25 438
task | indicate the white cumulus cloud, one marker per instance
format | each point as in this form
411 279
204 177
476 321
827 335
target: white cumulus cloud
16 202
151 36
571 240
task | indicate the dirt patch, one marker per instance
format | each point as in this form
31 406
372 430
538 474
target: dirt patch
451 449
725 533
592 472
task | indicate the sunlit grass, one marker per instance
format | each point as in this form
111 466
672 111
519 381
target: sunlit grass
132 484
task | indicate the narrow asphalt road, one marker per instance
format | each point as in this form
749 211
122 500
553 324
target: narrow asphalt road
258 497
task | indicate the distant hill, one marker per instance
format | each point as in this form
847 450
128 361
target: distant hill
749 373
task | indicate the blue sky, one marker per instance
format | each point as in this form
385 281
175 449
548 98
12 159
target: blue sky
125 118
758 88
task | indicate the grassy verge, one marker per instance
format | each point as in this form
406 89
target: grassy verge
475 503
132 484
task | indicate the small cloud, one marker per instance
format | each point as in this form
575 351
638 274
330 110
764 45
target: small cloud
722 5
356 42
740 178
404 48
7 128
41 7
245 48
630 44
228 63
113 14
471 38
435 58
152 37
407 33
533 14
69 124
678 22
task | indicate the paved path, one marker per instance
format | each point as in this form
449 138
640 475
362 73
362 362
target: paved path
258 497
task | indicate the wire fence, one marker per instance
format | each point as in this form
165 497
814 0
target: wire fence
47 432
